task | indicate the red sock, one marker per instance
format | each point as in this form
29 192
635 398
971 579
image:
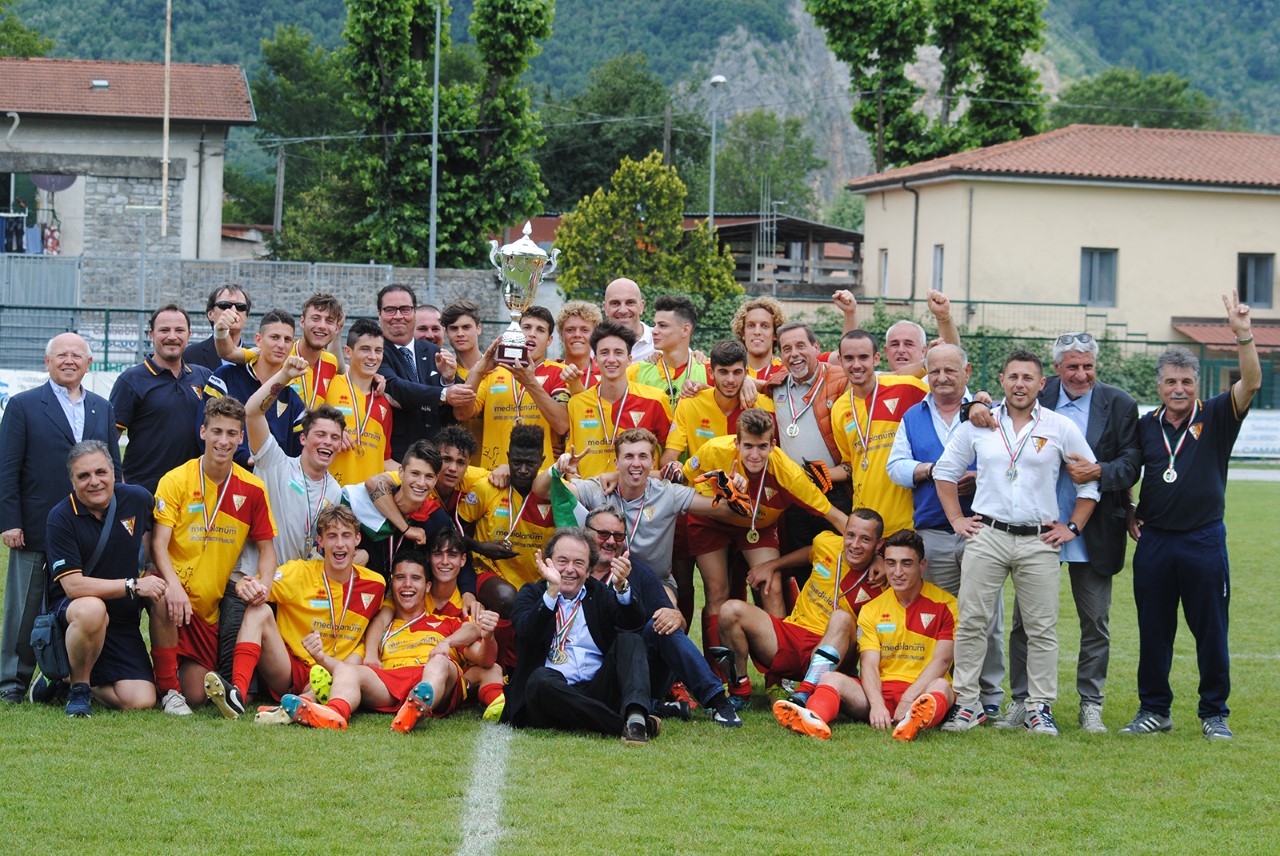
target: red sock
825 702
489 692
340 707
806 687
939 710
505 635
243 664
166 669
710 631
741 688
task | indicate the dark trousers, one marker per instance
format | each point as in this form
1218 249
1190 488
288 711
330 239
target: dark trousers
1190 567
674 657
802 527
599 704
230 615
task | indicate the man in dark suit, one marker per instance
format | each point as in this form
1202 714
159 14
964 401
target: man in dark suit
40 426
1108 417
420 376
229 295
582 665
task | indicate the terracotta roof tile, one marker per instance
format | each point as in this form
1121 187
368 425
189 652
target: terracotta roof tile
1219 334
63 87
1098 153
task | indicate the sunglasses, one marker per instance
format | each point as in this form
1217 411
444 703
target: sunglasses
607 534
1068 338
231 304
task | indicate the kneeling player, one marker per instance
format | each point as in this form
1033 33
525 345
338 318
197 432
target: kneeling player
425 659
323 608
906 642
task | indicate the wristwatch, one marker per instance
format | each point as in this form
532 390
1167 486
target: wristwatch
443 394
1075 530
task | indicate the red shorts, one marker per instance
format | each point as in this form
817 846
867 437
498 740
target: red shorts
711 535
680 544
198 642
400 682
299 677
892 692
795 649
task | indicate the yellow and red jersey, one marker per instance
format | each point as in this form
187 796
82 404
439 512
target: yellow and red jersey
504 403
369 458
775 366
490 508
699 419
784 483
204 558
906 637
314 384
814 605
872 487
339 613
594 422
409 642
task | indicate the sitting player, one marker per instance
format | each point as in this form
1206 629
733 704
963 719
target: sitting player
906 641
323 607
426 659
814 638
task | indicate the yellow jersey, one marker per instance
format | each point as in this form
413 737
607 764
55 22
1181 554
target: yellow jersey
699 419
814 605
370 418
306 600
594 423
409 642
504 403
784 484
906 637
491 509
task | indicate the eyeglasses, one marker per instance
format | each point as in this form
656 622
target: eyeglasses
1068 338
397 310
608 534
232 304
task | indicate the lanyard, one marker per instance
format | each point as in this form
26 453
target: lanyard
355 408
1012 473
388 633
204 506
335 623
792 430
622 403
864 435
315 380
1170 473
308 535
515 521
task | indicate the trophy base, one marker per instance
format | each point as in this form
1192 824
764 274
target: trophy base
513 350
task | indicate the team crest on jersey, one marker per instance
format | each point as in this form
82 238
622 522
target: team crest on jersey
544 508
542 380
366 599
237 499
471 498
196 390
1039 442
159 504
281 407
636 416
891 405
693 462
648 515
128 524
926 618
1196 429
862 596
382 412
769 493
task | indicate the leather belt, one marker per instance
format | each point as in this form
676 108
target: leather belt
1014 528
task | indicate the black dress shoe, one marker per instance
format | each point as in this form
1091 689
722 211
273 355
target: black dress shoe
635 733
673 710
11 697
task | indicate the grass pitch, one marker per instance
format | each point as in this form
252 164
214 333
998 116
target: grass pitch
145 782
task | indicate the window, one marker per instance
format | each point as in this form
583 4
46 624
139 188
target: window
936 281
1098 276
884 273
1255 273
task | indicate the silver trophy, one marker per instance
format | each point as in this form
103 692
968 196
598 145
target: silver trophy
521 264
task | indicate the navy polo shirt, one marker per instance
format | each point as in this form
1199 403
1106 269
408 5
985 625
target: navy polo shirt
162 414
73 536
284 419
1198 497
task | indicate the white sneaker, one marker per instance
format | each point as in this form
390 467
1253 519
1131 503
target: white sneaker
1015 715
175 703
1091 718
1039 720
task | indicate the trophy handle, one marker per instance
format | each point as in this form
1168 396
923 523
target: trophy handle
551 262
494 250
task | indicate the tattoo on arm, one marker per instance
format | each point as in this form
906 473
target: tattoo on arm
276 389
378 492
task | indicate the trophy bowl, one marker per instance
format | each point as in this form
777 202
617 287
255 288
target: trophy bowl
521 265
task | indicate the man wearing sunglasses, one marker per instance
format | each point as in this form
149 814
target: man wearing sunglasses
229 295
1108 418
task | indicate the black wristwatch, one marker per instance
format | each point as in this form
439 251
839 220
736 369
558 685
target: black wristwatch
1075 530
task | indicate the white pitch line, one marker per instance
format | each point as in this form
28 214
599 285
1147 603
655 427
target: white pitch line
482 821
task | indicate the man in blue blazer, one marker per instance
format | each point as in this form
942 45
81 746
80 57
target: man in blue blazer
420 376
39 427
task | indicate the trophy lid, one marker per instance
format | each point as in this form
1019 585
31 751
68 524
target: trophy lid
524 246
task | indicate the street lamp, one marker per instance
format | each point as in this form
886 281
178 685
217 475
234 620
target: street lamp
716 82
435 162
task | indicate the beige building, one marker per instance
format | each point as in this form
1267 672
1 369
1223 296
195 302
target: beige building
1141 229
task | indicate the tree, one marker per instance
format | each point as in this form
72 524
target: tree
759 145
488 177
1123 96
619 114
846 210
635 228
17 40
988 93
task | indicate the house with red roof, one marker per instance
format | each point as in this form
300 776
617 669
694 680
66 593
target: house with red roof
81 149
1144 227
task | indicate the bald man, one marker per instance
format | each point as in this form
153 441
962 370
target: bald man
40 426
624 303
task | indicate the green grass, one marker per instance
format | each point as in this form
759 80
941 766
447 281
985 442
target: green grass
146 782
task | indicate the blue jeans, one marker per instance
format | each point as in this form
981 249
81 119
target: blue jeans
674 657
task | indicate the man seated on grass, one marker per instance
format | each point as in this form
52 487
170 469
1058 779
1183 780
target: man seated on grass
98 596
323 607
814 638
424 662
905 642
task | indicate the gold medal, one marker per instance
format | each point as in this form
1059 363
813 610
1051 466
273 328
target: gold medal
753 536
558 657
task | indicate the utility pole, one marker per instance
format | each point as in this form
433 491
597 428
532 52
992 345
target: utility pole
277 219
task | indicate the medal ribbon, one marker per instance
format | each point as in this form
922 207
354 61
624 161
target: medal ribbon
561 638
1014 455
672 393
620 404
388 633
813 397
863 436
510 505
204 506
635 527
309 534
1186 429
759 493
315 376
355 408
335 623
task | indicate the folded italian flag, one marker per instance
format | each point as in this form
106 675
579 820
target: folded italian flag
371 520
564 505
